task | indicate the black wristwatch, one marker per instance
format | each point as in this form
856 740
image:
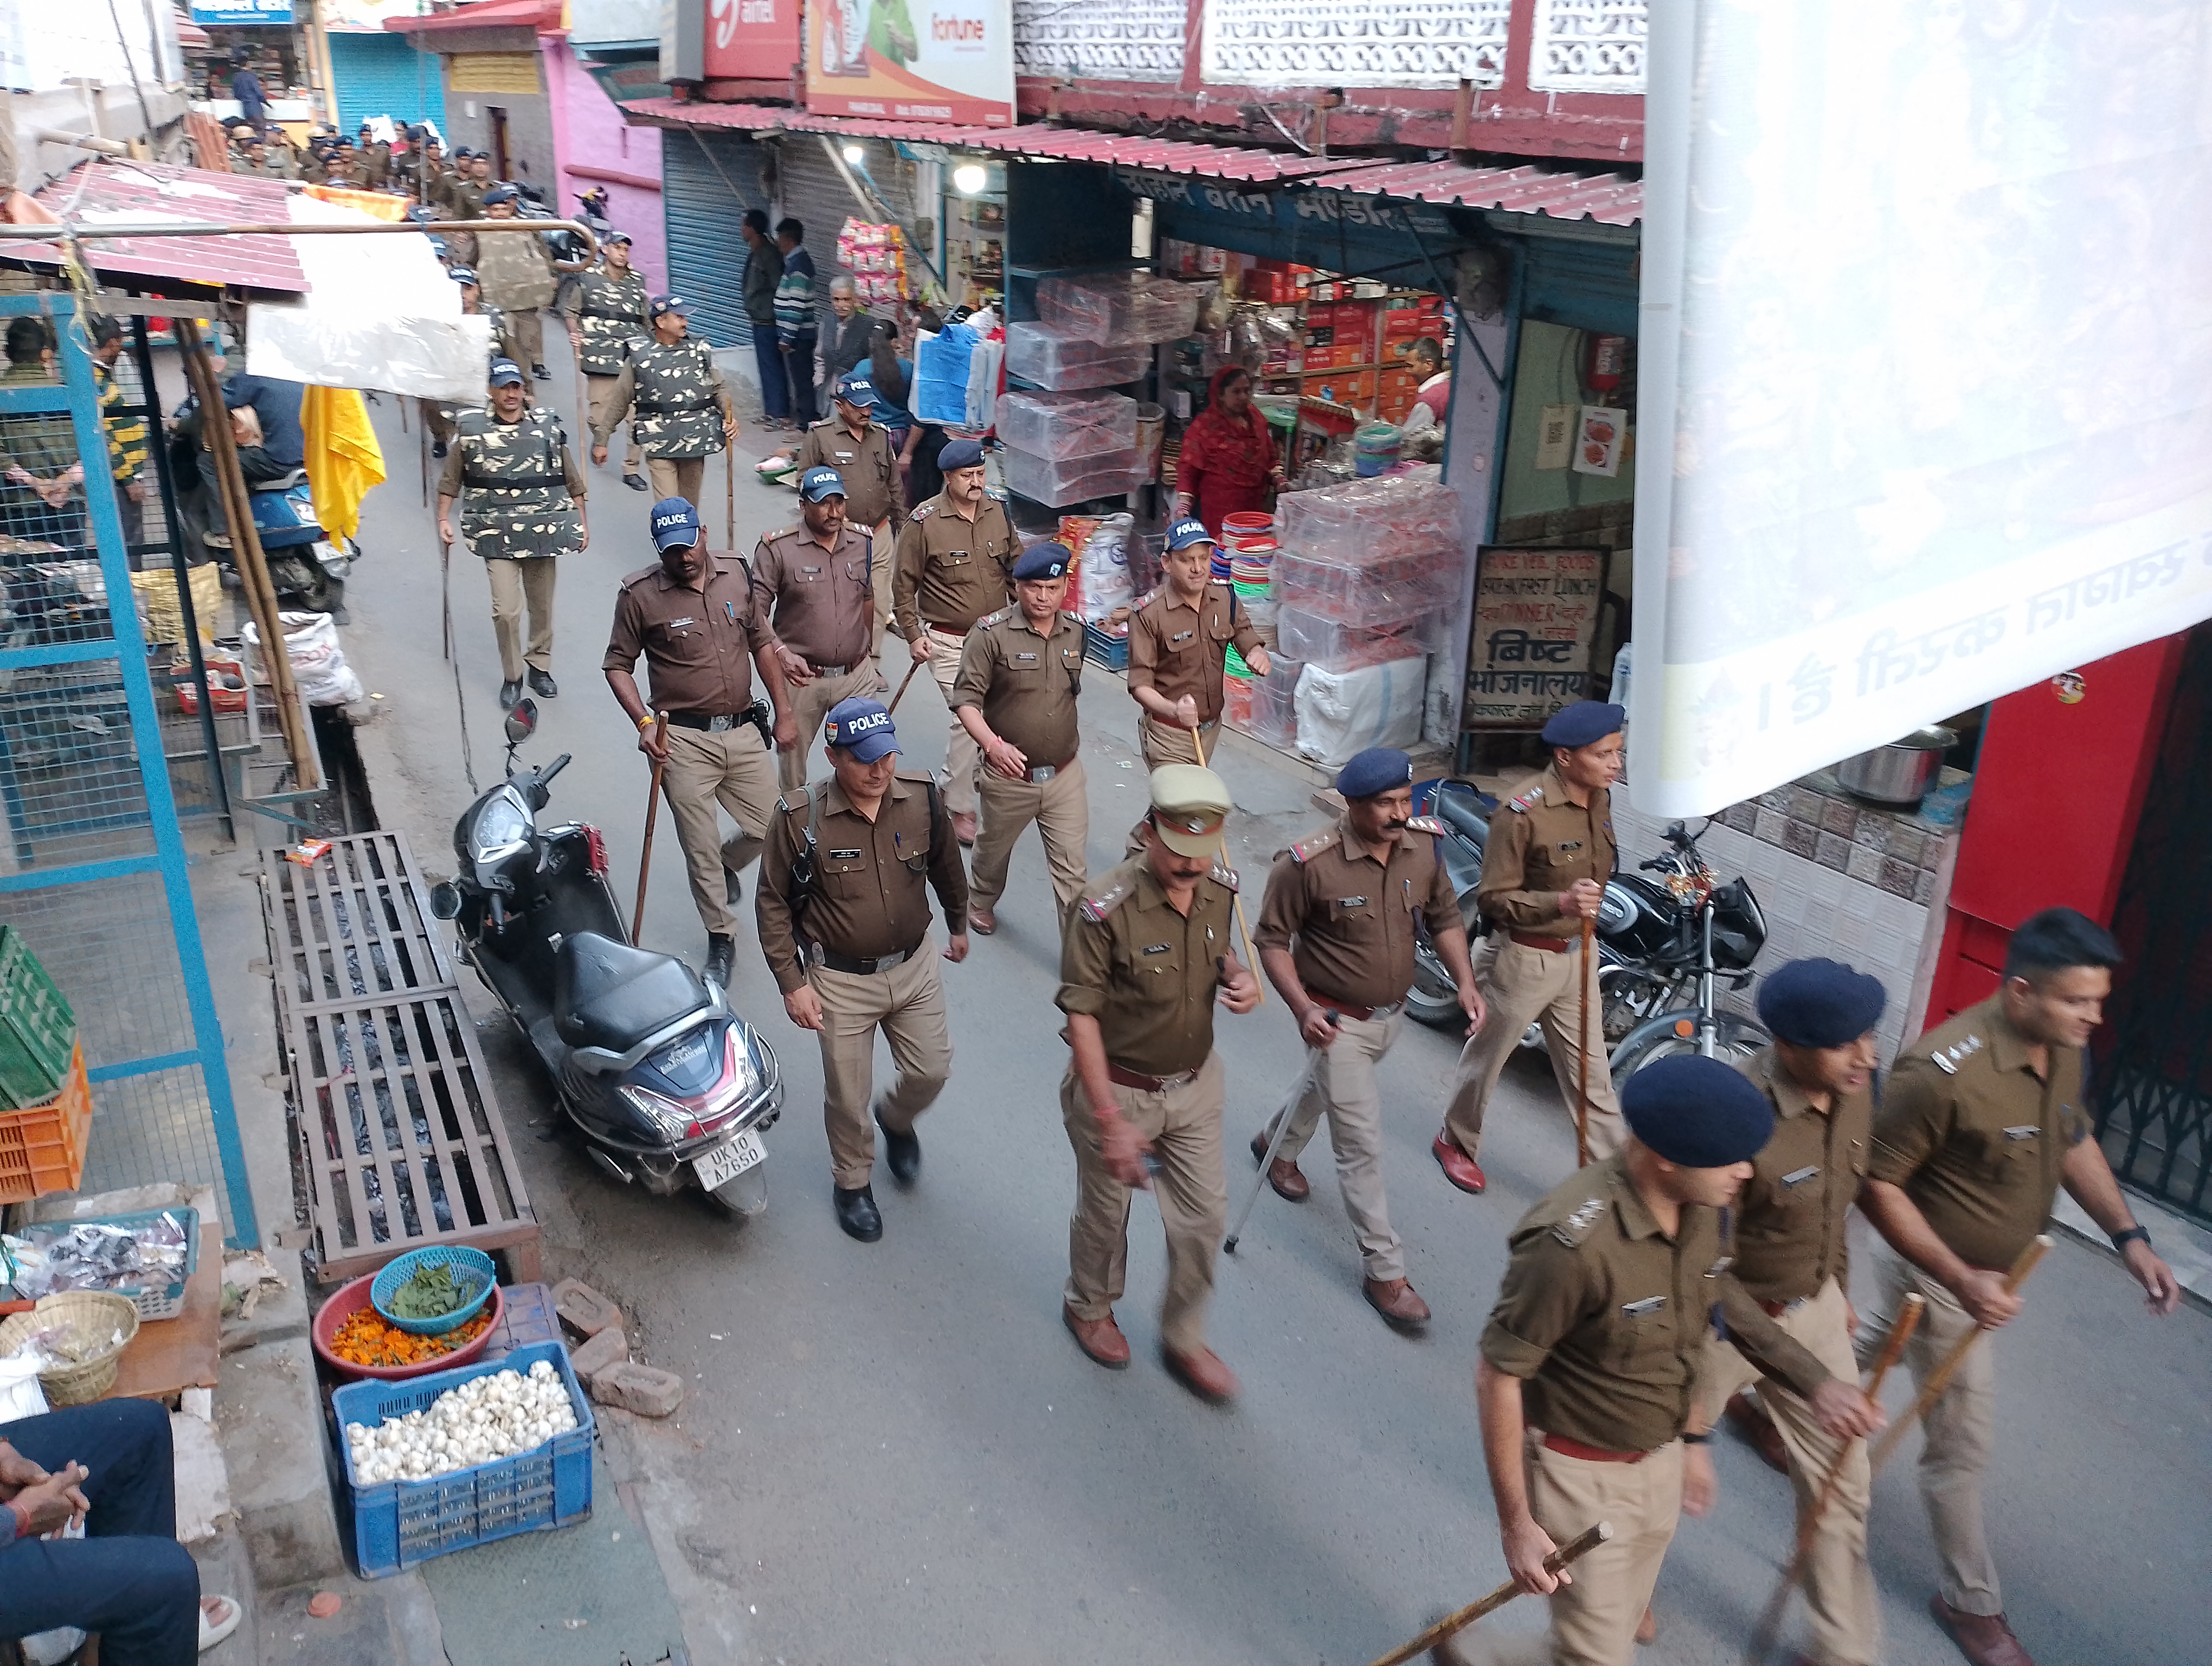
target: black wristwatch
1689 1439
2133 1235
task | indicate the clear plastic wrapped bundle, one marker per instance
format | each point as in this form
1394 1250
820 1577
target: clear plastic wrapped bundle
1051 357
1414 510
1060 425
1119 306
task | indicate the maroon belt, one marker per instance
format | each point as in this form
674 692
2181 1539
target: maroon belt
1549 945
1144 1084
1575 1449
1363 1014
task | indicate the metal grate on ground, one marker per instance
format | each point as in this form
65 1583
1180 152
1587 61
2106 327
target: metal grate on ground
397 1128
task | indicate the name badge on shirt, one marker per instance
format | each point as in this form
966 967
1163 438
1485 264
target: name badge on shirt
1032 658
1720 1267
678 624
844 855
1645 1308
2023 1131
1571 844
810 572
1352 901
1801 1175
1157 948
1181 637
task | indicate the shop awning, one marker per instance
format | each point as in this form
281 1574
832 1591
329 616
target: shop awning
1249 165
1605 197
142 192
484 14
191 38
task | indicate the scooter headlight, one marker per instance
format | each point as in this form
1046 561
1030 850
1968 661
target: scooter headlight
502 829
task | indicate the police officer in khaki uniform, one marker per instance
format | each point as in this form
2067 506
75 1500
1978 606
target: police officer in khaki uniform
1982 1121
605 313
811 580
683 411
520 274
844 921
861 450
1792 1258
1543 872
523 508
438 416
1143 959
1179 643
1588 1385
1021 674
695 618
956 562
1336 939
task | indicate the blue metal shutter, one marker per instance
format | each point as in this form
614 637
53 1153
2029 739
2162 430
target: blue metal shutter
380 75
707 181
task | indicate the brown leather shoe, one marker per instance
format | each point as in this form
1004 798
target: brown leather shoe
981 922
1102 1339
1463 1170
1393 1298
963 826
1202 1373
1749 1419
1984 1638
1647 1627
1290 1185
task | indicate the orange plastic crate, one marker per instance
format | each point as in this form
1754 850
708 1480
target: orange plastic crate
42 1147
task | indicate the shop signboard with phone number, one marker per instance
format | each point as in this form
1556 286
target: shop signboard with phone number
1535 623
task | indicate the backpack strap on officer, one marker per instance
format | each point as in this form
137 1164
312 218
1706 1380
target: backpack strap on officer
803 865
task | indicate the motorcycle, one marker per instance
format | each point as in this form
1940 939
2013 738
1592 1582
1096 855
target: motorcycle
1718 931
668 1087
1649 937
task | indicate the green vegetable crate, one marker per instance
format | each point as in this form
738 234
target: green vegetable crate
37 1031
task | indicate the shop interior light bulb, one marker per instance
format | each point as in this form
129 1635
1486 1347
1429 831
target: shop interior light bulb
969 177
853 152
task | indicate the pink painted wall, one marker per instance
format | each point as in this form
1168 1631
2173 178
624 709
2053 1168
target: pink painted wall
589 135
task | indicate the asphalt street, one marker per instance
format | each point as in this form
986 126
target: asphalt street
894 1452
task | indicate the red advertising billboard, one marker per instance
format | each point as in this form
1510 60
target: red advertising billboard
751 39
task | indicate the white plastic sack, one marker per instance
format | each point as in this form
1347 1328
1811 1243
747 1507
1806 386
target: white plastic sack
984 365
318 663
1102 583
20 1393
1344 712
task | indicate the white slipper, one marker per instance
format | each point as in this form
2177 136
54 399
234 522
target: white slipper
213 1632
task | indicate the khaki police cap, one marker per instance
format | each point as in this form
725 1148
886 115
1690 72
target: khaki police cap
1189 804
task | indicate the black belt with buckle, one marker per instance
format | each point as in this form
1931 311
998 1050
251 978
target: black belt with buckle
1348 1009
710 723
858 966
1038 774
827 671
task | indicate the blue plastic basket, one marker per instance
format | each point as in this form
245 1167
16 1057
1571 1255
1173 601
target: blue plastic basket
398 1523
399 1272
1101 649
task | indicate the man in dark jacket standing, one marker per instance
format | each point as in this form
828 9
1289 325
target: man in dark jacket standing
763 272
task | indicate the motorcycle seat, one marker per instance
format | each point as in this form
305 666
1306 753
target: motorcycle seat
609 994
1461 811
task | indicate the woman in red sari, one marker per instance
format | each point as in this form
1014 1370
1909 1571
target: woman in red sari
1230 459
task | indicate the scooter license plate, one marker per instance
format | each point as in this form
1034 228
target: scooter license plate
724 1163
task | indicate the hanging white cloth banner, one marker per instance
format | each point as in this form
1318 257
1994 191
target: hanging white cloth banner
1927 335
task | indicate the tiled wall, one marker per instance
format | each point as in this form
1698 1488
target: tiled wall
1834 877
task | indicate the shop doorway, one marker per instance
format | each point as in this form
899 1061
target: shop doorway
496 115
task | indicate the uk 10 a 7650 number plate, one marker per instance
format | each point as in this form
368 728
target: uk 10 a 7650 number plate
726 1163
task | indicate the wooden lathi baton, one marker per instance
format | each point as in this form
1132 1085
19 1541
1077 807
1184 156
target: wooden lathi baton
1237 897
1770 1619
1582 1094
1939 1378
1460 1618
652 810
914 667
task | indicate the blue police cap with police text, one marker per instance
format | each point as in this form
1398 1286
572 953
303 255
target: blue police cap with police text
817 483
674 522
863 727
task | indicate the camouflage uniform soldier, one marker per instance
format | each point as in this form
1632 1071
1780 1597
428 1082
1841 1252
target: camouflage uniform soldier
525 507
677 392
437 417
521 275
605 311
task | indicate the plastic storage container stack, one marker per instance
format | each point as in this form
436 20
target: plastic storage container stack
1065 360
1057 481
1412 510
1118 307
1051 427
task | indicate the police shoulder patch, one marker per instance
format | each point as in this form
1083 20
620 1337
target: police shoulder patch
1305 849
1526 801
781 531
1224 875
1000 618
1097 908
919 512
1424 824
1576 1226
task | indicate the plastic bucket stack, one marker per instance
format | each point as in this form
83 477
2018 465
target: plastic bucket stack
1374 448
1251 574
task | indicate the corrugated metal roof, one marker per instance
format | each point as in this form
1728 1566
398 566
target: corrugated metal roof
143 192
486 14
1251 165
1605 197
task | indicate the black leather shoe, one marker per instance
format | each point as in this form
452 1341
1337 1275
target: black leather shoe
438 449
541 373
857 1213
901 1153
637 482
721 949
733 886
541 684
509 693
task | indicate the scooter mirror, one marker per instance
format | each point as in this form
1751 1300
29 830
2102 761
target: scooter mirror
445 900
521 722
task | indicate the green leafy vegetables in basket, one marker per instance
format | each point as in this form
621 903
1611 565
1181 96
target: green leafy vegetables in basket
433 1292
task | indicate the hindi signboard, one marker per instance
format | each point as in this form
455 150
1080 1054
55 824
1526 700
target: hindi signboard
1535 623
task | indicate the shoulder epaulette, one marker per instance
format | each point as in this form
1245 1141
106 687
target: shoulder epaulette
1424 824
1307 849
1576 1226
1097 908
792 806
1527 801
1224 875
641 573
1948 1059
1001 616
781 531
919 512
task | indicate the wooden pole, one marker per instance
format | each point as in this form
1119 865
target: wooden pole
1251 953
1460 1618
1939 1378
1589 1000
913 666
652 811
729 495
245 550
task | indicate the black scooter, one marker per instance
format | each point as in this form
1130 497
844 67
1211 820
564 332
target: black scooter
668 1086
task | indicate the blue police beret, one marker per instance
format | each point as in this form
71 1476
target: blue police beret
501 194
1820 1003
1583 724
857 389
1186 532
506 373
861 726
817 483
1378 770
668 304
1044 560
462 274
960 454
1696 1112
674 521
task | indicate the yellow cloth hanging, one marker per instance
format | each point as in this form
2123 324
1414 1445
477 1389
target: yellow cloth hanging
343 459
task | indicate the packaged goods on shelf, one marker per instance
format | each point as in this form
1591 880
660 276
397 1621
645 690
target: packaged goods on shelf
1063 359
1342 713
1054 426
875 256
1334 646
1412 510
1054 481
1389 583
1120 305
1102 583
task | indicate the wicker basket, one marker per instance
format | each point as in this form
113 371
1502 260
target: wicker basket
93 1310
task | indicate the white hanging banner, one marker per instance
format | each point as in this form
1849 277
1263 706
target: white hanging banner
1927 334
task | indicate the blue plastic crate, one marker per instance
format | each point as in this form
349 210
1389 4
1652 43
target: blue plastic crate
1102 649
398 1523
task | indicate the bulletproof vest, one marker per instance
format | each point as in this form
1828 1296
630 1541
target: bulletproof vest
511 269
677 413
611 314
515 464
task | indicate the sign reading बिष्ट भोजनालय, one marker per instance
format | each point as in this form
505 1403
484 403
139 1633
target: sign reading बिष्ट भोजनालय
1535 621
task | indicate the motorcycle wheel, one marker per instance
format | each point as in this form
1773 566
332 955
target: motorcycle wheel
1656 1039
743 1197
1434 999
